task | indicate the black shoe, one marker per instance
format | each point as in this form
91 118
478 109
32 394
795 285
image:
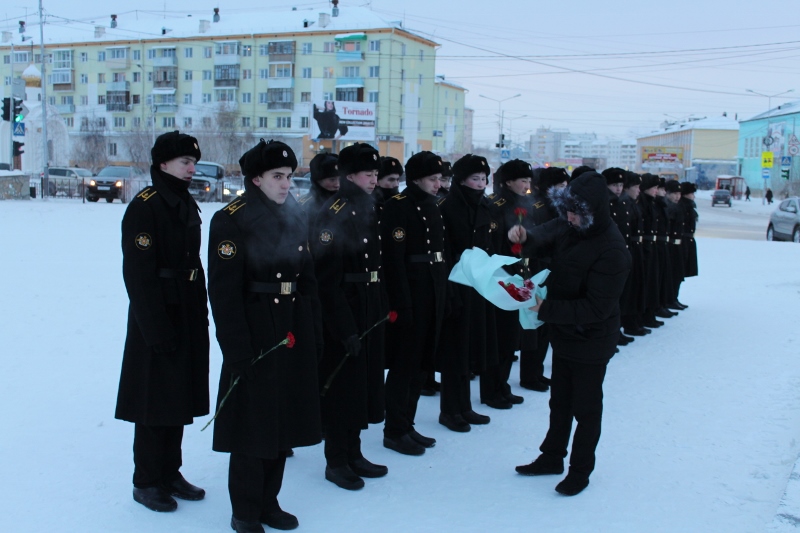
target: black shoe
180 488
290 453
572 484
362 467
638 332
404 444
545 380
665 313
647 331
471 417
155 499
497 403
454 423
427 392
654 324
538 386
681 305
628 340
544 465
240 526
422 440
279 519
344 477
513 399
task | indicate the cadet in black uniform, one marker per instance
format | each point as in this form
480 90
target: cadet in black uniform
632 303
347 253
164 380
690 225
675 214
468 333
388 181
652 272
662 245
415 276
324 184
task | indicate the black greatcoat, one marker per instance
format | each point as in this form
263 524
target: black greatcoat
675 214
254 240
652 272
412 228
161 230
621 216
688 242
632 301
469 337
346 242
666 289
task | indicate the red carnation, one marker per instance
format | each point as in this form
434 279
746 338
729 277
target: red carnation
516 249
520 212
289 340
392 317
520 294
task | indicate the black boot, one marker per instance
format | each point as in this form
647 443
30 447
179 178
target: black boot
180 488
665 313
277 518
240 526
155 499
344 477
497 403
624 338
454 423
403 444
572 484
544 465
471 417
362 467
637 332
513 399
654 323
422 440
538 386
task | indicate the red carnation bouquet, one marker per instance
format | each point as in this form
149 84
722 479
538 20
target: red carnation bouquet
520 294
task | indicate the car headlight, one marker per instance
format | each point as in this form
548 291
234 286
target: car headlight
208 188
239 192
92 183
118 183
226 191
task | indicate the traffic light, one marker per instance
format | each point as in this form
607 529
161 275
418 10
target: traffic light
501 144
7 109
18 151
17 112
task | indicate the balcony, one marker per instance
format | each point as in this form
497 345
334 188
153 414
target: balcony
118 86
118 63
280 106
65 109
349 56
226 82
165 77
62 80
170 61
281 83
349 82
119 107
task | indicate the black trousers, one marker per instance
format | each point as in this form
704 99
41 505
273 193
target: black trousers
342 445
531 361
254 484
455 393
576 391
156 454
403 386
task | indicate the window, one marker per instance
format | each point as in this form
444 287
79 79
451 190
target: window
84 79
112 148
101 77
347 95
7 61
263 73
7 80
84 100
207 75
372 96
352 72
262 98
69 122
306 49
303 122
101 56
306 72
247 74
62 59
226 72
187 75
263 50
137 77
374 46
247 50
351 46
136 99
187 122
101 99
206 122
149 76
227 49
67 100
168 52
284 122
151 54
84 57
119 122
280 70
422 55
225 95
245 122
187 98
327 96
118 76
137 122
305 97
118 53
402 124
402 99
262 122
206 98
402 49
207 52
84 123
329 47
52 100
101 122
280 98
247 98
168 122
137 55
327 72
374 72
187 53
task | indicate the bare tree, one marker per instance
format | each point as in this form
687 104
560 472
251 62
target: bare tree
224 139
89 149
138 141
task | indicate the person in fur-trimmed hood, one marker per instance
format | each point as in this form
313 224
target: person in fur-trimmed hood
590 264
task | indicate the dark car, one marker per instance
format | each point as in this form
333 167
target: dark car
721 196
206 182
116 182
301 185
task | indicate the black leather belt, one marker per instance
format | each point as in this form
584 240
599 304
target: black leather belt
649 238
272 288
435 257
688 235
661 238
365 277
174 273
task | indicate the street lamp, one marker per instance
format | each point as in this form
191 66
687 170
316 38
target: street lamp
500 113
769 96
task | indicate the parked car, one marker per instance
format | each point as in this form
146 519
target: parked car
721 196
784 222
67 181
232 188
301 185
116 182
207 181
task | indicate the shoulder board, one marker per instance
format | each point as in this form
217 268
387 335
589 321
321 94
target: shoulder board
491 196
146 193
500 201
441 200
234 206
303 199
538 205
398 197
338 205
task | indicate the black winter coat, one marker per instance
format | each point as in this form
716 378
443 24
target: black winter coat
632 301
588 273
160 243
346 246
652 269
313 201
675 214
688 242
415 273
254 246
666 282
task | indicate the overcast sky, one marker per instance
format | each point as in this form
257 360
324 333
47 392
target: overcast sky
614 68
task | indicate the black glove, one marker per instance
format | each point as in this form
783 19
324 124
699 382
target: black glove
241 369
353 345
165 347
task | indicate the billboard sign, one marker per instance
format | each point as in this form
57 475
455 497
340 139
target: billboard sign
348 121
662 155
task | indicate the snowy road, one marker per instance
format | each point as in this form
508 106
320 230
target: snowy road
701 423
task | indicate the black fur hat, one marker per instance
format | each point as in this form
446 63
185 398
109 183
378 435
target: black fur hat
324 166
267 156
632 179
390 165
580 170
423 164
614 175
661 183
649 181
358 157
447 169
174 144
673 186
468 165
552 176
688 187
514 170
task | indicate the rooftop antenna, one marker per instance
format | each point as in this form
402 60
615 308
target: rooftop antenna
113 21
216 14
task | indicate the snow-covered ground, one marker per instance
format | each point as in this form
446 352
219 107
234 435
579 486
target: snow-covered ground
701 421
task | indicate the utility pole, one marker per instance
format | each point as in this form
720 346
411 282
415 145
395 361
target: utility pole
45 154
500 138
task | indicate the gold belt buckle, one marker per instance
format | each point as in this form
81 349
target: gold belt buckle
286 288
437 257
677 241
373 276
192 274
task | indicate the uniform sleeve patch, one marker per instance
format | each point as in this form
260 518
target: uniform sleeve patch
399 234
325 236
143 241
226 250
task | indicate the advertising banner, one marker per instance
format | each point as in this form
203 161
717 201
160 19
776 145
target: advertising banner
348 121
660 155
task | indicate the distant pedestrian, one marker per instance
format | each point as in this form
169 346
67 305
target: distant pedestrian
747 194
768 196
